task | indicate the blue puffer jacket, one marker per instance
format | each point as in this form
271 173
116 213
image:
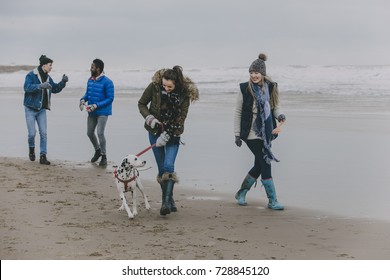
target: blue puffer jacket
101 93
32 95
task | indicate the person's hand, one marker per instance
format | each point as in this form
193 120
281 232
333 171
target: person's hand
82 104
65 78
278 129
45 85
152 121
281 120
162 140
91 108
238 141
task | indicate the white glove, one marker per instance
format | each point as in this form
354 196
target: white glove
91 108
82 104
162 140
151 121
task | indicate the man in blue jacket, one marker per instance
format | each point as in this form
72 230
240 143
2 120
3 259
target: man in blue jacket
38 87
98 103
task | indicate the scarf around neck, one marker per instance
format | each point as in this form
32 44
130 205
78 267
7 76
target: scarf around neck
171 112
45 96
263 125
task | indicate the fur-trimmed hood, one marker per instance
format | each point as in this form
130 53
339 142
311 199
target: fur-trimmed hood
192 89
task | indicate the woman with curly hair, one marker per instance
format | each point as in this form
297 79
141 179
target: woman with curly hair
169 96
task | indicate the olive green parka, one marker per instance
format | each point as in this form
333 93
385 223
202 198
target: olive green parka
152 97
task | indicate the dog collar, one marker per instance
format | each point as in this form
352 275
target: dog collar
126 182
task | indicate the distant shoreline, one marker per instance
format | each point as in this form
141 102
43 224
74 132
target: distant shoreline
15 68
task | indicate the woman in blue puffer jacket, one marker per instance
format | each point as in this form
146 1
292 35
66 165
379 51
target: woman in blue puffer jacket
38 87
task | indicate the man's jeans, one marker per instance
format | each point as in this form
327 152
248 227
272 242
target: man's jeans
98 123
165 156
39 117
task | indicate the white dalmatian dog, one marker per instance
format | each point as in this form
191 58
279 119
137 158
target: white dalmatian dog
126 177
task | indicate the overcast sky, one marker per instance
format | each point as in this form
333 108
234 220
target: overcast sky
196 33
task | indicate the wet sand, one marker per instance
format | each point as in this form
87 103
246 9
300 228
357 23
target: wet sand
69 211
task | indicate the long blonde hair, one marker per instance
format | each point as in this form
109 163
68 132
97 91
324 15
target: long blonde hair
273 96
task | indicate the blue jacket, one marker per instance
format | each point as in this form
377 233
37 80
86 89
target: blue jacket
101 93
32 95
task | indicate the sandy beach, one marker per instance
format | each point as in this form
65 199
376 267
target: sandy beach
69 211
333 180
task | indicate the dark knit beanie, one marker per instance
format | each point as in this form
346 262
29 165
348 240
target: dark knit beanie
259 65
44 60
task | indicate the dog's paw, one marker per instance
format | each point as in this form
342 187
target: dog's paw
147 206
121 208
131 217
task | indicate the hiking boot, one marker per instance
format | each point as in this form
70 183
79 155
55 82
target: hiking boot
96 156
43 160
31 154
103 161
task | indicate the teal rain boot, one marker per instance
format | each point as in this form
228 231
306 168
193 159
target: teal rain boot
271 194
245 187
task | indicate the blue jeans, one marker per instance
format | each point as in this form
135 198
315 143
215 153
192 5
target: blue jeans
165 156
39 117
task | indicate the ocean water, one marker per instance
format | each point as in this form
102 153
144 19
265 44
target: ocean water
373 80
333 151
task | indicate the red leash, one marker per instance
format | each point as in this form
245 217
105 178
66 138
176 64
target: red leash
151 146
147 149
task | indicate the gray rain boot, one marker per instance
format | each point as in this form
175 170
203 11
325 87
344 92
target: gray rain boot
245 187
271 194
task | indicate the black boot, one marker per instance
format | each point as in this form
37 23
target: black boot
43 160
172 201
103 161
96 156
31 154
172 205
167 192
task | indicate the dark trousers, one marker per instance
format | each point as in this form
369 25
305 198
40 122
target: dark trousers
261 167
